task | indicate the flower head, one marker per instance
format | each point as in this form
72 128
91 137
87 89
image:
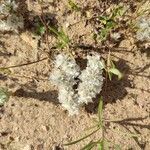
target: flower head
63 76
91 80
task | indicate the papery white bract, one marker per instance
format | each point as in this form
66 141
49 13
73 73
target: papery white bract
68 99
143 33
91 80
7 6
4 26
12 23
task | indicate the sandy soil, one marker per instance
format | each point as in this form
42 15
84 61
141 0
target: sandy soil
33 118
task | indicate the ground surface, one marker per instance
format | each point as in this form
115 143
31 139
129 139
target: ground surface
33 119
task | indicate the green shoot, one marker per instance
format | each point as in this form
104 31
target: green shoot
101 145
111 69
109 22
115 71
61 36
41 30
73 5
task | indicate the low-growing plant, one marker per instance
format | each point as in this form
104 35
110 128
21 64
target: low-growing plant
66 74
109 23
111 69
73 5
40 30
63 39
99 125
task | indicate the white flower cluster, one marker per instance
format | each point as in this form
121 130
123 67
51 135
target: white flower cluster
64 76
91 80
143 33
12 21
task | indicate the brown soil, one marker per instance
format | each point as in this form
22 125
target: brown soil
33 118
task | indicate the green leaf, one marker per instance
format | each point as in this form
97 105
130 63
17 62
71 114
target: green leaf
101 146
62 37
73 6
40 30
103 34
4 96
74 142
117 12
116 72
89 146
110 76
100 112
103 19
110 25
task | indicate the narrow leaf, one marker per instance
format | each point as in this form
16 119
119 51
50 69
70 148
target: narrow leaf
92 127
64 39
116 72
73 6
89 146
100 112
74 142
40 30
101 146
